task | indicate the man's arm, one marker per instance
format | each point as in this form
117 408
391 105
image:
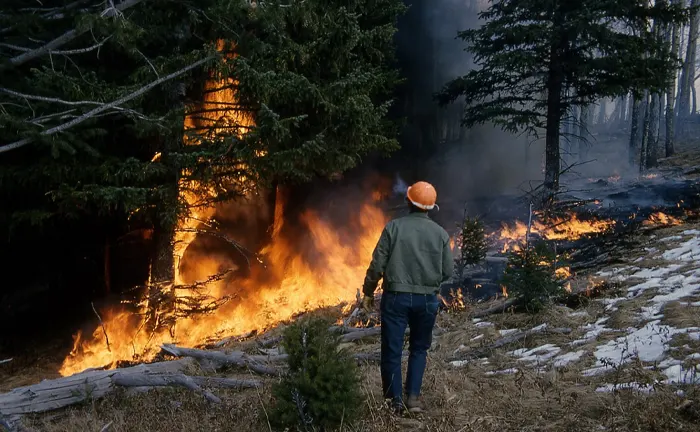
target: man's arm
380 258
448 261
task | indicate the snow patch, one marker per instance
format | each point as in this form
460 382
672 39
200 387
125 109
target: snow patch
502 372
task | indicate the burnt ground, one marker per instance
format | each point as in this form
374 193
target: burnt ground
628 363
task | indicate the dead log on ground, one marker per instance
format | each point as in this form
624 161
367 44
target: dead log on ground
361 333
499 308
58 393
221 359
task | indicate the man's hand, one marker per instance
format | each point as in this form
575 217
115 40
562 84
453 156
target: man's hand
367 304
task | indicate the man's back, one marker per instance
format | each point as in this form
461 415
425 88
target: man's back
413 256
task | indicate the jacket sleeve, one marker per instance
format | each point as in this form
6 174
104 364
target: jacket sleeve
380 258
447 261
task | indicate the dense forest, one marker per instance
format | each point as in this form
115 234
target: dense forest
165 163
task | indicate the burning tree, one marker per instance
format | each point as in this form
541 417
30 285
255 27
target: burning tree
140 115
538 60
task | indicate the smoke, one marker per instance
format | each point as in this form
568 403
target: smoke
468 165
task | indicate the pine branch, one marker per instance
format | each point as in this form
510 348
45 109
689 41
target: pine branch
66 37
107 106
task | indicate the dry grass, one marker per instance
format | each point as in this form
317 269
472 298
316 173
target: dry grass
457 399
680 315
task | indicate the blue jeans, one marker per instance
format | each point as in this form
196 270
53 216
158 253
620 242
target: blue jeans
418 312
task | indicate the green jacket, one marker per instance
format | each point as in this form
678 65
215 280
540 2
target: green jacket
413 255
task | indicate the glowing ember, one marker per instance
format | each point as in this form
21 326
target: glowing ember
650 176
504 291
572 228
660 218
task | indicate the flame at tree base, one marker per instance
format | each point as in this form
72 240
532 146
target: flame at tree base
287 285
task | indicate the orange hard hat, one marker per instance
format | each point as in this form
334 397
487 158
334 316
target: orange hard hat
422 195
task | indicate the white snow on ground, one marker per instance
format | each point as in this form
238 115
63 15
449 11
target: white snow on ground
594 330
673 281
649 344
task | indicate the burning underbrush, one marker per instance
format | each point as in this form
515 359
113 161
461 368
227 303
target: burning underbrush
287 283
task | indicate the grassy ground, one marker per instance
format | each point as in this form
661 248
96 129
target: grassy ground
457 399
460 399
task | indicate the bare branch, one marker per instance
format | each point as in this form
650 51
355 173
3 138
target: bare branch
105 107
67 37
62 52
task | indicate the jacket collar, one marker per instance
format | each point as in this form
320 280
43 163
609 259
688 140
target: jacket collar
423 215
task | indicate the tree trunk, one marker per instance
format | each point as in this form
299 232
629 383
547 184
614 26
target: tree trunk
688 69
582 135
652 130
661 118
161 296
634 129
602 115
555 83
107 267
645 133
671 95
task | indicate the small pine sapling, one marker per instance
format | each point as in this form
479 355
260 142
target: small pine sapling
472 243
322 387
531 276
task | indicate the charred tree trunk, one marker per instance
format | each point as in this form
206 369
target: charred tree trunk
160 294
661 123
634 128
583 133
555 84
108 266
602 115
688 69
652 129
645 133
671 95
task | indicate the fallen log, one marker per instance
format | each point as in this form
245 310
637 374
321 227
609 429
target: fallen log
499 308
177 380
58 393
361 333
221 359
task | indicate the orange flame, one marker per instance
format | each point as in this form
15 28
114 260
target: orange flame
572 228
660 218
287 286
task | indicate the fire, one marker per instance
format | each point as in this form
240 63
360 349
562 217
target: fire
660 218
288 283
572 228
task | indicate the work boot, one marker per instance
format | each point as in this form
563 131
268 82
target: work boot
414 405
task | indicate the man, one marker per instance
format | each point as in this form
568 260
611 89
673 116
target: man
414 258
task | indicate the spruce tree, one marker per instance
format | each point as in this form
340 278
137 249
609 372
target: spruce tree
322 386
536 60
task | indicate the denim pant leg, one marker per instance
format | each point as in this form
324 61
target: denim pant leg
421 320
394 320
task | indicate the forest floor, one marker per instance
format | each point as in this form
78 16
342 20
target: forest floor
630 363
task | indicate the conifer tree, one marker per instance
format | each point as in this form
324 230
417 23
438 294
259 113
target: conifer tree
530 52
322 387
94 94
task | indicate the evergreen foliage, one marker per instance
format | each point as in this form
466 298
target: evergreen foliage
315 76
322 387
531 275
473 244
536 60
